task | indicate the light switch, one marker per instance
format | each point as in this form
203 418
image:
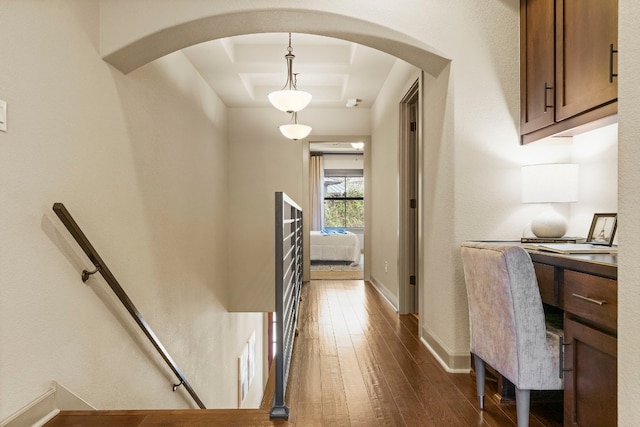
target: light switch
3 115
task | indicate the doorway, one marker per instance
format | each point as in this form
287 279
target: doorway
344 203
409 201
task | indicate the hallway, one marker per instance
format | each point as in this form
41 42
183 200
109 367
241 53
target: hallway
358 363
355 363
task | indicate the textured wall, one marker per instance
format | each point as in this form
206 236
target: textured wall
629 204
140 161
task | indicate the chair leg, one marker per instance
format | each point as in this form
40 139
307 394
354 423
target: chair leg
480 375
523 397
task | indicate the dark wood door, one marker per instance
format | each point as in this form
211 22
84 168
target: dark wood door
590 384
537 71
586 58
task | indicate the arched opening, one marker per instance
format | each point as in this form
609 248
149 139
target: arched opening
134 52
131 55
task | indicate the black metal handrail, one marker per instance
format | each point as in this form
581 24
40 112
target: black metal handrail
102 268
288 281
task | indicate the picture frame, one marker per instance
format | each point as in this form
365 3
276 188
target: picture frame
243 374
252 357
603 229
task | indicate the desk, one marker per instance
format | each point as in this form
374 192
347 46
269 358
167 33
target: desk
585 287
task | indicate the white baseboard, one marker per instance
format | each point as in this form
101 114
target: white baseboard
46 406
453 363
382 290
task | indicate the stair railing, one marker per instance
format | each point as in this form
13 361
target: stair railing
288 280
100 267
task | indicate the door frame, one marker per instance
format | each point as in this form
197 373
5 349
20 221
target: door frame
410 219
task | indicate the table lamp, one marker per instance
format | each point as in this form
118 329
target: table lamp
550 183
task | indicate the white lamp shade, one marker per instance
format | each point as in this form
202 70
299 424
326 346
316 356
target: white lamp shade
295 131
289 100
550 183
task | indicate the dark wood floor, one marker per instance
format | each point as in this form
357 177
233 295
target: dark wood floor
355 363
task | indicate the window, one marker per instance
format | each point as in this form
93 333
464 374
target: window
344 198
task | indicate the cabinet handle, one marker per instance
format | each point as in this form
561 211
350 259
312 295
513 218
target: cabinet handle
611 73
546 97
563 344
591 300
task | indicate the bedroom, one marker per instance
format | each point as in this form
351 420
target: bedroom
338 210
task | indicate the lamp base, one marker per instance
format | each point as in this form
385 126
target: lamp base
549 224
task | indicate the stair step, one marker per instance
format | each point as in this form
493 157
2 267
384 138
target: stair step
165 418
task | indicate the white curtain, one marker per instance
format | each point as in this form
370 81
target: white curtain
316 181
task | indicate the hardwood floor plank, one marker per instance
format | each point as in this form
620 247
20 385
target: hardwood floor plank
381 396
404 396
334 399
69 419
309 396
293 385
165 418
197 418
393 334
361 411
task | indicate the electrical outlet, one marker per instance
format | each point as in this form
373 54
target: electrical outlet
386 267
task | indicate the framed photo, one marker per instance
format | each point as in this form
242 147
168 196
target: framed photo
243 374
603 228
252 357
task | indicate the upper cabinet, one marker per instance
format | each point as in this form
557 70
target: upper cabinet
568 64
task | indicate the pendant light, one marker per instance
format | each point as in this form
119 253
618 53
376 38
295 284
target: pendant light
295 130
290 99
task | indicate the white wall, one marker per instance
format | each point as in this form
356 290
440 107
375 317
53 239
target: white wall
597 154
629 214
343 161
140 162
262 161
471 134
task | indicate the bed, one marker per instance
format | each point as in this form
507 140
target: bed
335 245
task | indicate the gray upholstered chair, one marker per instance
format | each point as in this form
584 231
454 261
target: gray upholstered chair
507 322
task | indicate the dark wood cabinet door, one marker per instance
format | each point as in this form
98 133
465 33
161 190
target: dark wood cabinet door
586 40
590 384
537 77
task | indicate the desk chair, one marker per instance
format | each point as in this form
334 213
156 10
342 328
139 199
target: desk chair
507 323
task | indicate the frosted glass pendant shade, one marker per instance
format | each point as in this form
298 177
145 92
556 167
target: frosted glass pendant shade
295 131
289 100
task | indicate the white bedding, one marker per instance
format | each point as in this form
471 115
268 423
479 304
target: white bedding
335 247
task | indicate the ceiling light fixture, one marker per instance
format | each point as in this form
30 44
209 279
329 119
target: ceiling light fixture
294 130
290 99
353 102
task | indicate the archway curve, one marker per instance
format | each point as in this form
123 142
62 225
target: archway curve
179 36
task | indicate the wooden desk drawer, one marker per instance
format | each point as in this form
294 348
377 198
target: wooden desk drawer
546 283
591 297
